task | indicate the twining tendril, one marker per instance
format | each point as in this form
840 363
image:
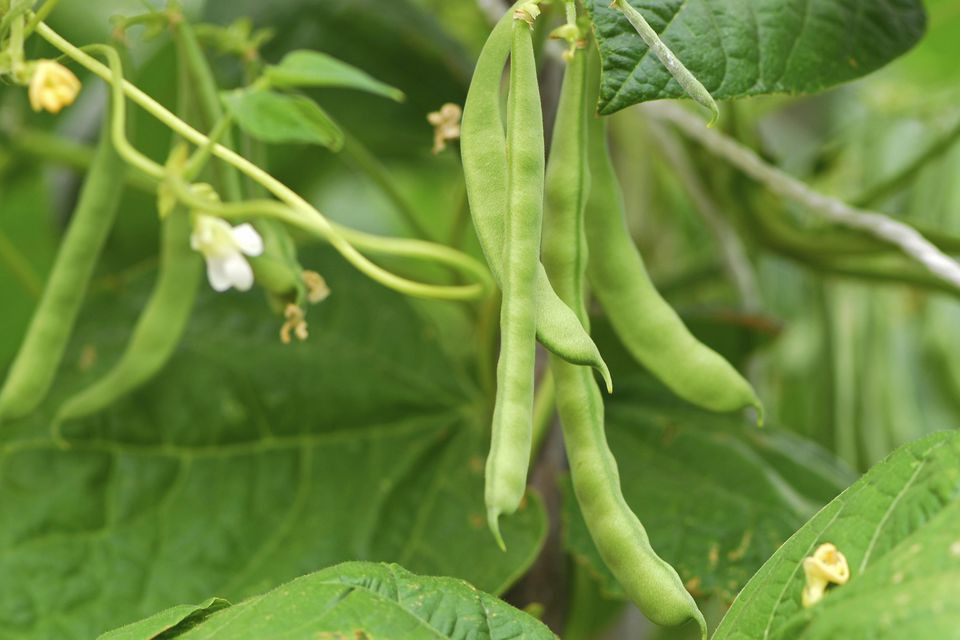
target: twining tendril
291 208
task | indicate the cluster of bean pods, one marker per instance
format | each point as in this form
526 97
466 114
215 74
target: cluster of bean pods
570 214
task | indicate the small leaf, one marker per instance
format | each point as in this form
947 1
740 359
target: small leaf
305 68
361 600
899 527
169 622
278 118
751 47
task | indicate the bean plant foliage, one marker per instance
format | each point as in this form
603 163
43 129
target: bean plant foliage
335 428
743 48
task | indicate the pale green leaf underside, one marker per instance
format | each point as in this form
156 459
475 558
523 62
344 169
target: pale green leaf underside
306 68
751 47
899 527
365 601
278 118
248 463
168 622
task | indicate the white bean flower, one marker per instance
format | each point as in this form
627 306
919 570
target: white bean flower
225 249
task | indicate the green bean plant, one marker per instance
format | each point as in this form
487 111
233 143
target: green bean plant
533 358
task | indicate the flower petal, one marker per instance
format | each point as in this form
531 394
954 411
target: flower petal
218 274
248 240
239 271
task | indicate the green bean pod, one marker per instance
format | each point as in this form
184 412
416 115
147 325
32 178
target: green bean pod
483 146
159 327
39 357
511 440
647 325
651 583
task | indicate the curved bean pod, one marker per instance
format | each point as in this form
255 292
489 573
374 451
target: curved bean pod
650 582
39 357
649 328
483 147
159 328
511 440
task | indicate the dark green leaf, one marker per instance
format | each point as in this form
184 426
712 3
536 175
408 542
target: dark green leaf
248 463
363 601
305 68
899 528
751 47
278 118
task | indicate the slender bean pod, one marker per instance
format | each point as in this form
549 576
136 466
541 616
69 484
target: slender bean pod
36 364
159 327
507 464
619 536
649 328
483 146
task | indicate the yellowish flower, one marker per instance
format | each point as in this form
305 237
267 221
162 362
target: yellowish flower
827 565
52 86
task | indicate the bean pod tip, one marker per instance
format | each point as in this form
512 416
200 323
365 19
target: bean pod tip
493 521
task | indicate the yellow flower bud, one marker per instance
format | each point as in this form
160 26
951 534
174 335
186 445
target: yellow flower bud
825 566
52 86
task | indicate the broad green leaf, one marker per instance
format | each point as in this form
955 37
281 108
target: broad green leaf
279 118
899 528
742 48
169 623
717 494
363 601
248 463
305 68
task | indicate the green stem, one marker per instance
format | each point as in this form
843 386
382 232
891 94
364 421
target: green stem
351 240
299 212
879 226
40 15
208 102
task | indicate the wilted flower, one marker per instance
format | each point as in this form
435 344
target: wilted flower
295 323
317 289
446 125
825 566
52 86
225 249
